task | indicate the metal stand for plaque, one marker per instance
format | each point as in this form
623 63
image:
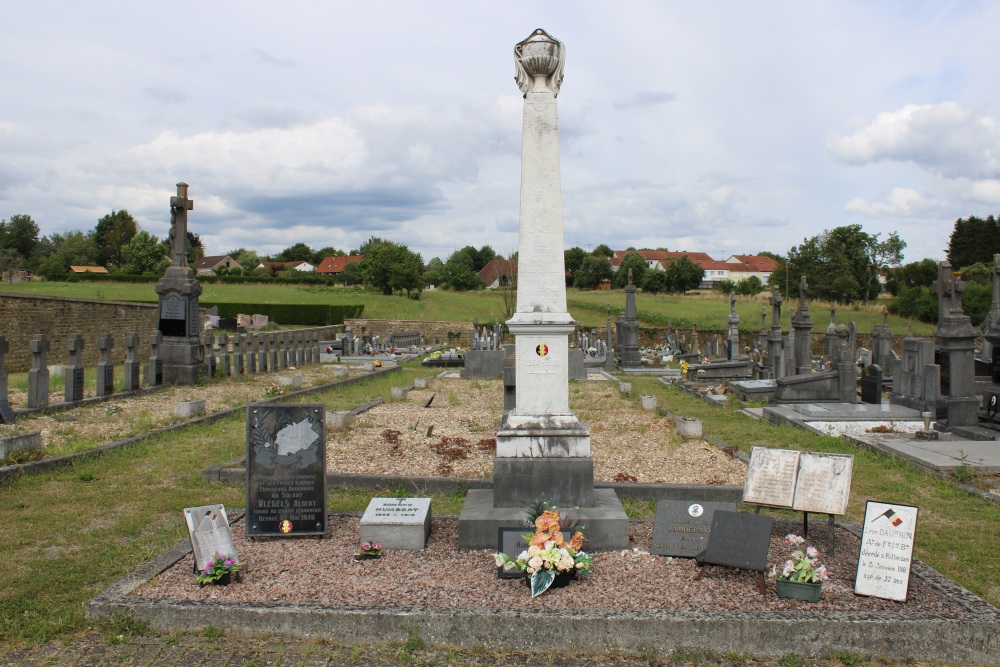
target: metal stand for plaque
761 585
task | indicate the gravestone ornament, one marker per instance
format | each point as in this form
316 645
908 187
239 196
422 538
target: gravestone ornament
543 449
179 322
886 557
286 470
738 540
683 526
208 530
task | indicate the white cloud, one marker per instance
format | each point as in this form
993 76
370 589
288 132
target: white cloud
898 203
944 139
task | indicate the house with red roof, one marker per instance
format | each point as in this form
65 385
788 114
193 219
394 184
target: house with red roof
331 266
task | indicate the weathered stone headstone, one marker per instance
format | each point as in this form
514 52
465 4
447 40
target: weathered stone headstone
804 481
132 372
882 343
154 369
272 350
282 350
208 530
300 349
208 343
682 526
223 353
307 347
286 469
774 342
3 368
771 477
261 352
238 354
609 353
178 290
397 523
886 557
38 376
802 326
251 343
733 348
74 369
105 366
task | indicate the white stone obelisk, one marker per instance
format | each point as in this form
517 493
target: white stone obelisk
543 450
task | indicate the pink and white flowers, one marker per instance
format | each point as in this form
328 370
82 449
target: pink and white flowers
219 567
803 566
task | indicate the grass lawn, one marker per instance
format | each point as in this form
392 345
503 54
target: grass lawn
588 307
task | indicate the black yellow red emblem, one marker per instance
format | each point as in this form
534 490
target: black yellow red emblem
542 350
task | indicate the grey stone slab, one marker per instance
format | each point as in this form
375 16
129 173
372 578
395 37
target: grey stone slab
397 523
682 526
771 476
208 530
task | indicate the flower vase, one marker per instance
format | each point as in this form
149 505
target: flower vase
224 580
799 590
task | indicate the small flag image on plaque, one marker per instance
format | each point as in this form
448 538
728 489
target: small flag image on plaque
893 518
542 350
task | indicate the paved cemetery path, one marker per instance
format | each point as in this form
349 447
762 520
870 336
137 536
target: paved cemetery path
97 650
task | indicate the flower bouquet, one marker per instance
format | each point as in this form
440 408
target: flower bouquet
802 575
218 571
368 551
548 555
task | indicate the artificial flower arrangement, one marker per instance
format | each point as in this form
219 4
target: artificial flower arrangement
273 389
548 554
804 566
218 570
368 551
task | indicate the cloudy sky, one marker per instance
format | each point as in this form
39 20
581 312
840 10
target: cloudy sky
722 127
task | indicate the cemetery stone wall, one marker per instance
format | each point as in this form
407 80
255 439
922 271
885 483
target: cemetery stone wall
24 316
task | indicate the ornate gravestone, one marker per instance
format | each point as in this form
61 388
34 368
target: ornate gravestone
989 415
74 369
882 343
955 340
105 366
831 336
132 382
802 325
543 449
733 320
178 291
38 376
774 342
286 469
628 330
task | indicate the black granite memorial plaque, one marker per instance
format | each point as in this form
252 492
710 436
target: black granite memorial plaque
738 540
109 380
682 526
7 415
510 540
944 361
159 372
286 470
995 366
871 384
77 384
194 320
135 376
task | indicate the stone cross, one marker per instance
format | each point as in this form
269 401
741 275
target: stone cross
38 376
949 291
308 347
763 318
179 206
775 302
251 354
105 366
132 382
833 315
261 352
238 354
732 303
315 337
223 341
803 290
74 369
272 346
208 349
282 350
154 369
3 369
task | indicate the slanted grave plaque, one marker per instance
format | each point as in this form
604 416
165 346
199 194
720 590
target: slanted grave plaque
682 526
7 415
886 557
286 470
824 483
208 530
771 476
397 523
738 539
510 540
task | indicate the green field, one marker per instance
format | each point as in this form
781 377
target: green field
588 307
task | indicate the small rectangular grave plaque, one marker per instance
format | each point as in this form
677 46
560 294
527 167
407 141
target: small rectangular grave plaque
159 372
173 308
771 477
286 470
194 321
135 376
397 523
824 483
208 530
682 526
109 380
886 556
77 384
7 415
511 542
738 540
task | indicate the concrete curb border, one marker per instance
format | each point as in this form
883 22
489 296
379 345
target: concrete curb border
35 467
970 638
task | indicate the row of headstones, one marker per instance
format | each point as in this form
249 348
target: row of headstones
251 353
486 338
587 340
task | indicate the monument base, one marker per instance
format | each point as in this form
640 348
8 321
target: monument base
563 481
606 524
960 411
183 360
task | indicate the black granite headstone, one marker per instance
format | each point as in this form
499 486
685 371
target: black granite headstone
738 540
109 380
511 542
77 384
135 375
682 526
286 470
871 384
159 372
7 415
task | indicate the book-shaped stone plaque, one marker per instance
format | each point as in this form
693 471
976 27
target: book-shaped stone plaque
683 526
804 481
824 483
886 557
771 477
208 530
286 470
738 540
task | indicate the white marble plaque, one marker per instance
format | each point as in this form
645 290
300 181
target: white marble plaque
771 477
886 556
824 483
208 530
397 511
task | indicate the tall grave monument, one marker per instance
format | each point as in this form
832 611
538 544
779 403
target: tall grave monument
955 342
628 331
543 449
181 351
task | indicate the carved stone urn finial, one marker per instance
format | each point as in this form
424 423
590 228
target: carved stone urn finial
539 61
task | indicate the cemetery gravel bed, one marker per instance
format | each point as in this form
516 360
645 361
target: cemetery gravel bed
321 572
628 444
